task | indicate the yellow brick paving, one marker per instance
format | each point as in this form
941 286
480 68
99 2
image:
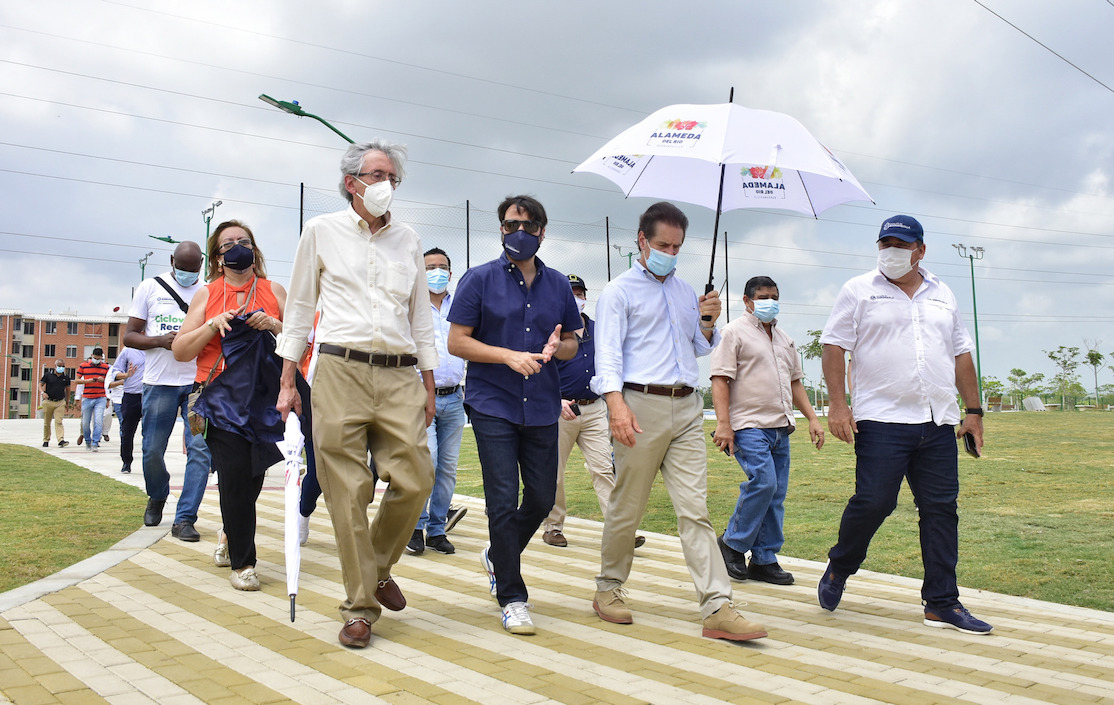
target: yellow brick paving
165 626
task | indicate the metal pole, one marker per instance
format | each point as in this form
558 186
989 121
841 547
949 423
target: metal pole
726 278
607 241
975 308
301 207
467 234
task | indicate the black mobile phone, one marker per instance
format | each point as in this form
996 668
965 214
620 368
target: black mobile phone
575 409
724 449
970 447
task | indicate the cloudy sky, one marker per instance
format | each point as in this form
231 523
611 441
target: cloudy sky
121 120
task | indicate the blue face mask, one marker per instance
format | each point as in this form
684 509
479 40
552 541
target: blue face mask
659 263
766 310
437 279
186 279
520 245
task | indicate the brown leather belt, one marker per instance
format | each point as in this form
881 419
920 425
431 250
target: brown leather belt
379 359
661 390
585 402
446 391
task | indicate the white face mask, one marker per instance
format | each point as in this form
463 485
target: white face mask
895 262
580 304
377 197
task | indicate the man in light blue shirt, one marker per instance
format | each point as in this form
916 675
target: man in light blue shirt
447 427
129 363
649 332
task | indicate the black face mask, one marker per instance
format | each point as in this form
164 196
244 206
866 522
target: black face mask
239 258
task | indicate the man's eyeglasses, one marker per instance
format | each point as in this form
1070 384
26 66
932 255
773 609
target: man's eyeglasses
377 176
530 226
225 247
431 267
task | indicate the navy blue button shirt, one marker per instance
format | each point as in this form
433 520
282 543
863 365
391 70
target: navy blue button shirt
578 372
495 302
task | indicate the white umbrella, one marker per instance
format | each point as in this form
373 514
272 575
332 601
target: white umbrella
725 157
291 446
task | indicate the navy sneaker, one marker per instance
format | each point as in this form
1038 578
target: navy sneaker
830 589
956 618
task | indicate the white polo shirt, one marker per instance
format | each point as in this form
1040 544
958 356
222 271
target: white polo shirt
902 349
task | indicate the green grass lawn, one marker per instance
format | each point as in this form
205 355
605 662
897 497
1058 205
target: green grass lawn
54 514
1036 512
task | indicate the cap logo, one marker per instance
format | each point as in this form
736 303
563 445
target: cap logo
896 224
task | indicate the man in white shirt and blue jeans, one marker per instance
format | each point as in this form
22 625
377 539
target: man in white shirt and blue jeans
911 351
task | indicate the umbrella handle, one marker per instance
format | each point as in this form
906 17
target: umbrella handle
707 289
292 607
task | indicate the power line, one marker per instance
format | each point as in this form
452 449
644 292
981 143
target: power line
1046 47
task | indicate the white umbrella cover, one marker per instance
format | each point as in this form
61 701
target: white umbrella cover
291 446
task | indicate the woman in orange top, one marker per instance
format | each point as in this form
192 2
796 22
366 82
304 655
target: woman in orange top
238 285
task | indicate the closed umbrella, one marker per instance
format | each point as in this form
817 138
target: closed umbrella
291 446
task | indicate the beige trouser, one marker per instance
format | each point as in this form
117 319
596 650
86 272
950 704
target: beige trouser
672 441
357 407
53 410
589 431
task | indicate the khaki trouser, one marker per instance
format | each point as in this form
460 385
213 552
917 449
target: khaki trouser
672 442
53 410
359 407
589 431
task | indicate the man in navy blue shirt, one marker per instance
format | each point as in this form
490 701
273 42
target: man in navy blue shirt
511 316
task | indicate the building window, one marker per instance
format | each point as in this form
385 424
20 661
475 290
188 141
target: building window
25 374
71 329
71 351
112 352
50 327
71 372
27 351
94 330
29 327
15 395
113 330
48 351
14 370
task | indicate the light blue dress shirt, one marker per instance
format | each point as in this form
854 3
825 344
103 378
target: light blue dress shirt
451 371
648 332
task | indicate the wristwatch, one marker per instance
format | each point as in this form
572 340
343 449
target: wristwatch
974 411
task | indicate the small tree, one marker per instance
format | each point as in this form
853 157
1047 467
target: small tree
1024 385
1094 361
813 350
1067 359
992 387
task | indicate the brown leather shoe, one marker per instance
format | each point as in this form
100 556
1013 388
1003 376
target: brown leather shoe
389 595
555 538
356 633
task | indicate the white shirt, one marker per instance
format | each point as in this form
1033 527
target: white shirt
451 371
647 332
370 287
157 307
902 349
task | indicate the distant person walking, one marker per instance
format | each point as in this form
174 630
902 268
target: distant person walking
129 411
91 374
54 386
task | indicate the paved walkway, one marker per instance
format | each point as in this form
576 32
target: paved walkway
153 621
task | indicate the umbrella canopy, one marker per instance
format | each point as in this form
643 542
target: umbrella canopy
769 161
291 447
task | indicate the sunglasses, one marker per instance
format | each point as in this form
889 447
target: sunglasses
530 226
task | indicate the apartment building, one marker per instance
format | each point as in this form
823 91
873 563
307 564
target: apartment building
31 342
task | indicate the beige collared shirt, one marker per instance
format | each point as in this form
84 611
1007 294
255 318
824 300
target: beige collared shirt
370 287
763 370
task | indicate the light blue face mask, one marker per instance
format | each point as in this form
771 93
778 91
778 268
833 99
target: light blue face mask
766 310
437 279
186 278
659 263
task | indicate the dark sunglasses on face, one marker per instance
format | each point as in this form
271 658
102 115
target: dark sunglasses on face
530 226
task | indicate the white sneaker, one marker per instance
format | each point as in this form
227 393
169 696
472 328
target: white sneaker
303 529
490 570
516 618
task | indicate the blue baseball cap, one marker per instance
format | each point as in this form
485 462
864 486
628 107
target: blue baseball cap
577 282
903 227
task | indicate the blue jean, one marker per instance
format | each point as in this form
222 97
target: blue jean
925 454
129 412
757 523
162 405
92 420
444 445
507 450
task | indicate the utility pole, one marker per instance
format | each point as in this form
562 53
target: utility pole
975 253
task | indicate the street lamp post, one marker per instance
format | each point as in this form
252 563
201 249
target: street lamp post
143 265
293 108
974 254
30 383
628 255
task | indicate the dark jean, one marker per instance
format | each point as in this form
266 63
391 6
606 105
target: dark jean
885 454
508 451
129 411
